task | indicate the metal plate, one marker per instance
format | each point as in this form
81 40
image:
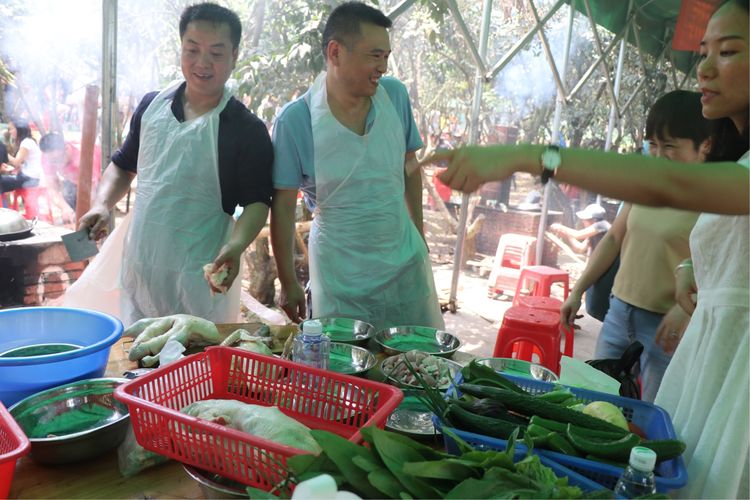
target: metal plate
215 486
520 368
16 235
400 339
452 366
350 359
411 417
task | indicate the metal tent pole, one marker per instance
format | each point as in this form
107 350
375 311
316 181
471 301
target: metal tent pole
479 80
559 104
614 114
109 84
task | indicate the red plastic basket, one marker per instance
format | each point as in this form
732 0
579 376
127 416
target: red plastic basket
13 445
319 399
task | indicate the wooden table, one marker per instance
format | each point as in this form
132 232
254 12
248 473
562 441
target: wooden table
100 477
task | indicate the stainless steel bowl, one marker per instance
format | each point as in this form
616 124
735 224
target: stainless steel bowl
400 339
520 368
215 486
453 369
73 422
350 359
347 330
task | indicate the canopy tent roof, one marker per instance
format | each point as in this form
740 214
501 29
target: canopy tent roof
657 21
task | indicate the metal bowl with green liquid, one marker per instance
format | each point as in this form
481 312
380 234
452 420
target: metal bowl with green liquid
350 359
73 422
400 339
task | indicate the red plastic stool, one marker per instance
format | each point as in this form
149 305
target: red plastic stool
543 276
514 252
530 329
30 197
550 304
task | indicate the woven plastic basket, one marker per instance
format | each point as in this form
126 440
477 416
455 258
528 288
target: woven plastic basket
13 445
655 422
319 399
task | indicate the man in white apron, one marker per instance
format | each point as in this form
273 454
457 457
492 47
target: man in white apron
198 153
348 142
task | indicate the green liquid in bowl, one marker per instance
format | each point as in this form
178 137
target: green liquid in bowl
38 350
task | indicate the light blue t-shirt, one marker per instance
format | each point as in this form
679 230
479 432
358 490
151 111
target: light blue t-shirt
293 140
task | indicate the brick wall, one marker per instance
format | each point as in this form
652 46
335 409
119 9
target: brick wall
36 271
498 222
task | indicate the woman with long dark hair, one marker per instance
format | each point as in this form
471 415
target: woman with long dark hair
24 169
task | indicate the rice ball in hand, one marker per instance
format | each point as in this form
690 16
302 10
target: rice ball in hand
216 278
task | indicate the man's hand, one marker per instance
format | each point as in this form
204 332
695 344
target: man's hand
670 330
570 308
96 221
292 301
228 260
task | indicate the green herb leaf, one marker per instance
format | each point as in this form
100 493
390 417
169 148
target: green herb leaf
341 451
452 469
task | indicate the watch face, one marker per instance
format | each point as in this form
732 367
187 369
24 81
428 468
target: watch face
551 159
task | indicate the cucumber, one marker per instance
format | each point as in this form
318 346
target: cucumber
558 442
491 408
549 424
617 449
539 435
666 449
465 420
527 404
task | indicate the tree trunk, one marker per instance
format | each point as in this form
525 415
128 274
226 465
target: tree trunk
470 242
259 15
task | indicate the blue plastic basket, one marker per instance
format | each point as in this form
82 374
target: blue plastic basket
655 422
480 442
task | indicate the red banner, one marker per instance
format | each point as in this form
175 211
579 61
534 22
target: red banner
691 23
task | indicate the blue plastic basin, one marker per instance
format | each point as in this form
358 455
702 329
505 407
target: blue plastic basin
93 331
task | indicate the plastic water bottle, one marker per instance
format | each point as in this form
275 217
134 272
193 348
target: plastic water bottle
638 477
311 347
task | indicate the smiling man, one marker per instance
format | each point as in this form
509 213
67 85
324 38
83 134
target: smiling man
349 143
198 153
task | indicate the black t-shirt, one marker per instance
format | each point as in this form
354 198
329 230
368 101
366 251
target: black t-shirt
3 153
245 151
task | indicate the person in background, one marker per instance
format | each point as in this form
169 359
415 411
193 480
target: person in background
705 388
651 242
198 153
349 142
595 226
3 152
61 163
24 169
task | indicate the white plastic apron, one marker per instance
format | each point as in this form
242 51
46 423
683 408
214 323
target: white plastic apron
178 224
367 259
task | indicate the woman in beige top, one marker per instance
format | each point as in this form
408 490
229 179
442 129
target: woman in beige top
651 242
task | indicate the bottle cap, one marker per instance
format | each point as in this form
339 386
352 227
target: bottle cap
312 327
642 458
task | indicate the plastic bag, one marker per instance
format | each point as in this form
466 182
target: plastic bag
625 370
132 458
